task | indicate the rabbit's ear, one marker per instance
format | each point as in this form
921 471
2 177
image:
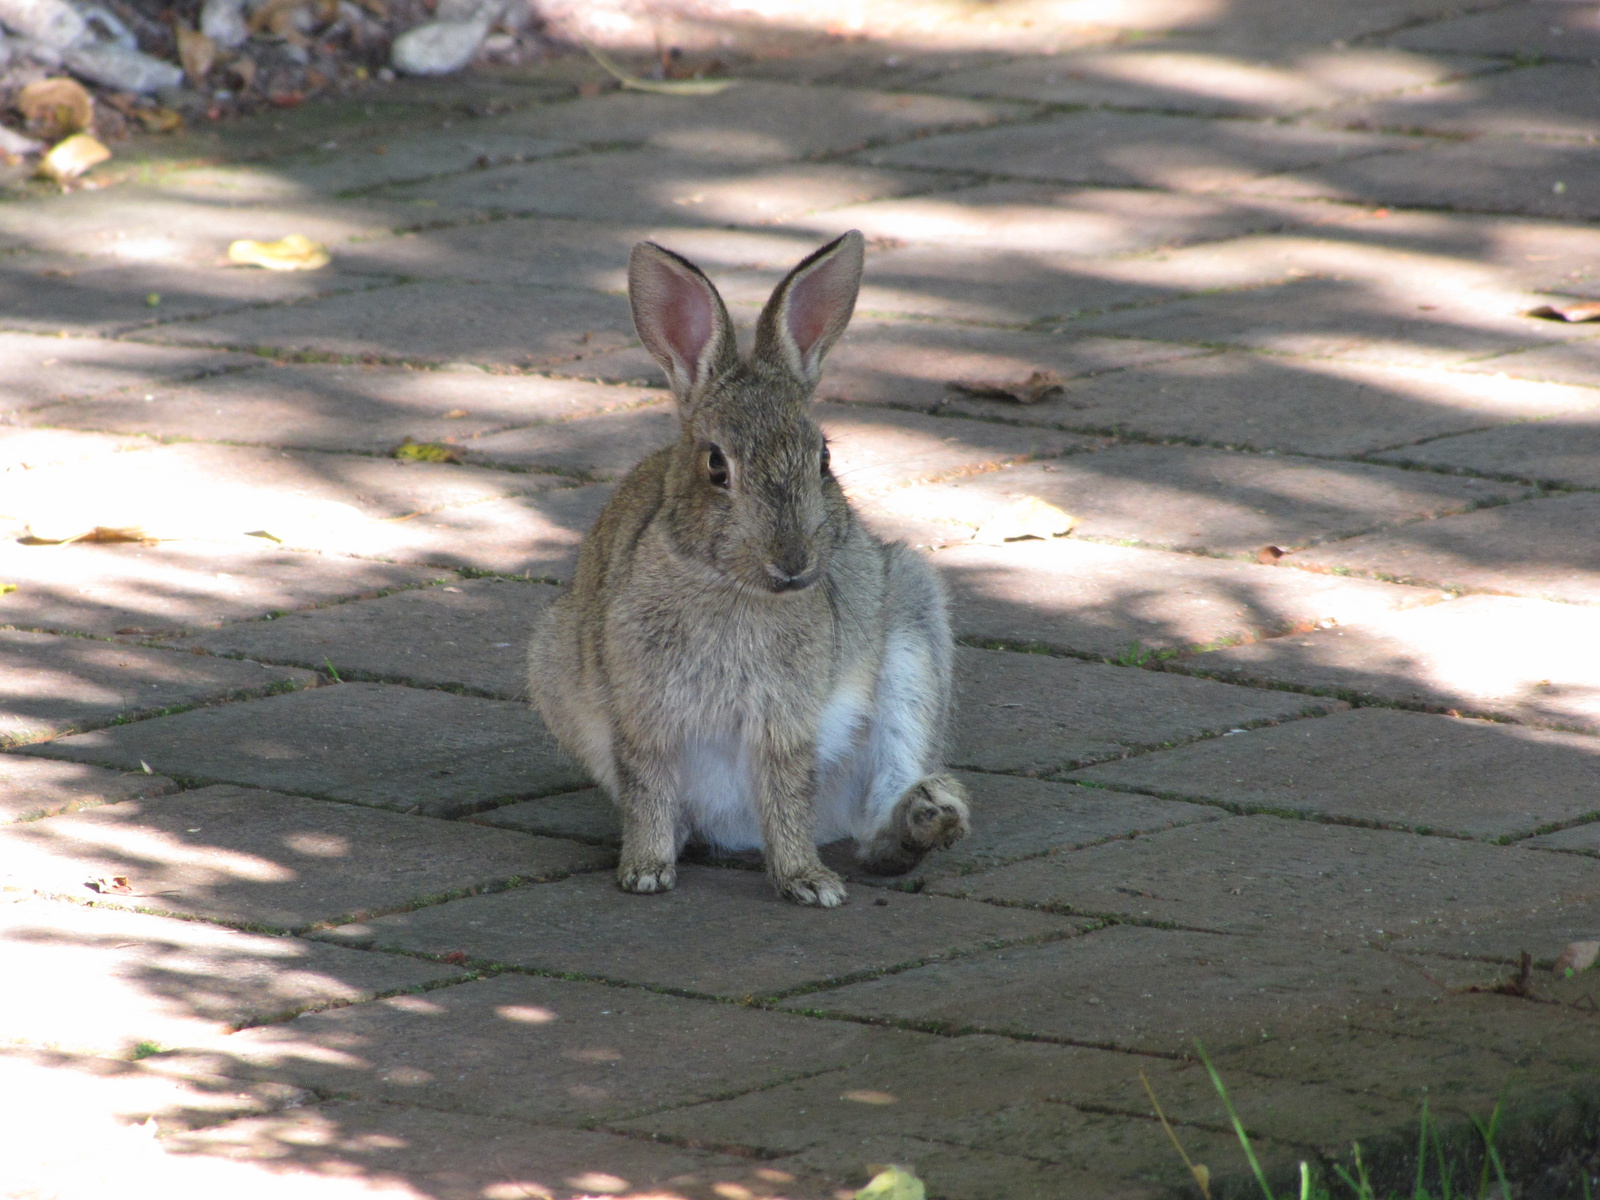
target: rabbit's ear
810 309
680 318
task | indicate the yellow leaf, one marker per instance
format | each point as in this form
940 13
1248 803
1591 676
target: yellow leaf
435 452
7 588
893 1183
1029 517
72 158
196 52
665 87
55 108
159 120
293 253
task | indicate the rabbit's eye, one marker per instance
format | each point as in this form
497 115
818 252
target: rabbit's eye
717 467
826 459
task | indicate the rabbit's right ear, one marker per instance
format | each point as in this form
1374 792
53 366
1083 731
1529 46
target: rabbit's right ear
680 318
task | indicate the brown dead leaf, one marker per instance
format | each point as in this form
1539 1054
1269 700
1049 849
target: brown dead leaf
111 885
71 158
1583 310
1028 517
106 534
56 108
1578 956
1031 390
158 119
196 51
1268 555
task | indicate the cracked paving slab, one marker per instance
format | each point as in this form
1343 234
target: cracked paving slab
102 982
52 685
364 743
732 935
260 860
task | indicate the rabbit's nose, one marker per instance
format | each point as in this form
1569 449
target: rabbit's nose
786 581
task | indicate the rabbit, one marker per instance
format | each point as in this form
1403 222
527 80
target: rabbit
738 660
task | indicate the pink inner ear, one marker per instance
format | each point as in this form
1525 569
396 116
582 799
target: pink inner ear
811 308
686 321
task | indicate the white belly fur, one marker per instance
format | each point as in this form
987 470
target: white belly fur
716 781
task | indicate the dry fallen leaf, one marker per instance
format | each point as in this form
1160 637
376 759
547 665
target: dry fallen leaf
665 87
7 588
1584 310
1029 517
159 120
1578 956
1268 555
112 885
434 452
293 253
893 1183
1031 390
56 108
196 52
99 533
71 158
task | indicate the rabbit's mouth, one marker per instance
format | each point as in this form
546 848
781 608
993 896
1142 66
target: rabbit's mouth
780 580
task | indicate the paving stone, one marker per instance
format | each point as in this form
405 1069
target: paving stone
355 408
30 449
907 364
565 251
656 185
548 1050
102 982
1020 818
265 861
732 935
599 447
1194 77
1527 660
1554 100
303 499
587 816
1008 220
1385 767
472 635
1264 27
1323 884
986 1094
536 536
51 293
1560 450
144 224
40 370
1543 32
1330 319
1329 408
1518 549
1209 501
56 685
35 787
1575 362
1139 149
367 743
759 120
1033 714
428 322
455 1157
1579 839
1133 988
134 589
1118 601
1495 175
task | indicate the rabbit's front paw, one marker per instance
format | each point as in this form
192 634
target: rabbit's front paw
817 886
932 815
645 878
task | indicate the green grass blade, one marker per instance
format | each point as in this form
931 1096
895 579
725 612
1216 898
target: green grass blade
1238 1126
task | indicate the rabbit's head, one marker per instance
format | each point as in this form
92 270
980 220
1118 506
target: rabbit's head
749 492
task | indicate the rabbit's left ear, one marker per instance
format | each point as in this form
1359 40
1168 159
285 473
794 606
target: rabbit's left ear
810 309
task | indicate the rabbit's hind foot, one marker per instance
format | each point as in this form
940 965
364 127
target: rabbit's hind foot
931 815
644 878
817 886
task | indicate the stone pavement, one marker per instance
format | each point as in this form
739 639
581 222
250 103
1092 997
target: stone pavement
1293 746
